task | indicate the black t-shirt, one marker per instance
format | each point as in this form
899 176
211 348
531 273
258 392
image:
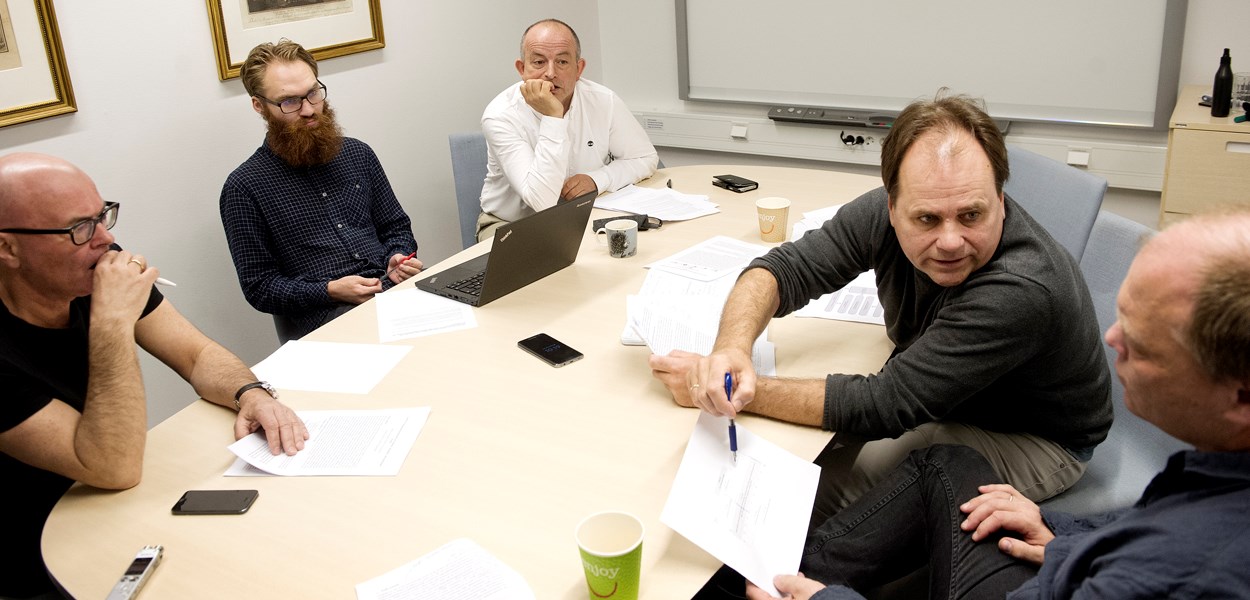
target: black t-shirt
38 365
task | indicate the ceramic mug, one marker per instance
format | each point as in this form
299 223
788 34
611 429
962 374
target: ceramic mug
620 236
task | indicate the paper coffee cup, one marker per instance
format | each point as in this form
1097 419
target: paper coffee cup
774 214
611 547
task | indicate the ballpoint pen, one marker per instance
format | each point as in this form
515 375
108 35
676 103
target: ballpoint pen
733 431
388 272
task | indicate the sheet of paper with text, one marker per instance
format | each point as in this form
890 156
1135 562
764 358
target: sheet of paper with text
751 513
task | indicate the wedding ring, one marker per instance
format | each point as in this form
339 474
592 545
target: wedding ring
142 267
694 387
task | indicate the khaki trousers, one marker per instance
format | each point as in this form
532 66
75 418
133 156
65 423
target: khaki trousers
1037 467
487 224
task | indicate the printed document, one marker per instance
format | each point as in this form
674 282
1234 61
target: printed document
857 301
750 514
661 284
340 442
329 366
689 323
711 259
459 570
410 313
663 203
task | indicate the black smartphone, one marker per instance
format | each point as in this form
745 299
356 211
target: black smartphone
734 183
550 350
215 502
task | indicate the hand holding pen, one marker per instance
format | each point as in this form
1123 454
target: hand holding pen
403 262
733 430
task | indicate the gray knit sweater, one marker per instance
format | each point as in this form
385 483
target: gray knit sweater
1014 348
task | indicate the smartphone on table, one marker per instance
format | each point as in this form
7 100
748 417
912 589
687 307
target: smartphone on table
215 502
550 350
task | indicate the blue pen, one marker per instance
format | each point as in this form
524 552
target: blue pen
733 431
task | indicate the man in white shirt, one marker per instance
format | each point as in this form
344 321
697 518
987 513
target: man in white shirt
556 136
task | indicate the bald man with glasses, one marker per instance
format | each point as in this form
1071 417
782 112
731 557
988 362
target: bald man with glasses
73 309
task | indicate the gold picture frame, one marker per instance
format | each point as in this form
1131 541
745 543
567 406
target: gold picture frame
34 81
327 28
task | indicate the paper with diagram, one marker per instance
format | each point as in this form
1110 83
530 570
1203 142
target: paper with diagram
752 513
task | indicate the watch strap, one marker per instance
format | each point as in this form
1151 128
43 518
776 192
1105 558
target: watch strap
251 386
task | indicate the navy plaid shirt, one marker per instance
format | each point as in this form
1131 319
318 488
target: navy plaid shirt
292 230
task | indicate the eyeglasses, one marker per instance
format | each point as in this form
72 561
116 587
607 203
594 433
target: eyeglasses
82 231
290 105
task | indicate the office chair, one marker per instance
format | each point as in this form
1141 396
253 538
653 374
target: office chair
468 167
1134 450
1065 200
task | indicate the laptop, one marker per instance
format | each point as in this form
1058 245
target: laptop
524 251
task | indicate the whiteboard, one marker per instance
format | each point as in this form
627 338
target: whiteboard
1098 62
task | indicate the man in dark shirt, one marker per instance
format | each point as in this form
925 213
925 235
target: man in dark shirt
72 309
1182 340
996 341
313 225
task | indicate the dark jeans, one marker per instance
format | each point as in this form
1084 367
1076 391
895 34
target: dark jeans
908 520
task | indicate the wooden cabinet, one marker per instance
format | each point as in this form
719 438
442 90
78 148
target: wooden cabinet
1208 159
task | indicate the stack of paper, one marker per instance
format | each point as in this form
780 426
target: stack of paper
680 303
857 301
663 203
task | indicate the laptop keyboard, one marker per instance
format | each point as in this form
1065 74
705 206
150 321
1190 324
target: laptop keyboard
470 285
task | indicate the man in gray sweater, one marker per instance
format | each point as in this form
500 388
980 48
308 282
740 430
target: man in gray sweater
997 344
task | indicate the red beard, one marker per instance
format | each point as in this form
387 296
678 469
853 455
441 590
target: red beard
301 145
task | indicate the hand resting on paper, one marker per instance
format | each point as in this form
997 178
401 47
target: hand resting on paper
697 381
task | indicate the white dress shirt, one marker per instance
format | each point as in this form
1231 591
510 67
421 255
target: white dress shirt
530 155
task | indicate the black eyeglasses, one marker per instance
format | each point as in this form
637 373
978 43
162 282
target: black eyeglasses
82 231
290 105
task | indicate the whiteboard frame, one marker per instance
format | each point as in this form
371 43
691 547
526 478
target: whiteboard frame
1165 98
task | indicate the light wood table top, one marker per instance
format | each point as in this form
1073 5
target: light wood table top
514 454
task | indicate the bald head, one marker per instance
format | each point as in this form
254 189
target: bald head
1208 236
28 176
1208 259
551 28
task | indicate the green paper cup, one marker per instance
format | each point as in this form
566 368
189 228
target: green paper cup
611 548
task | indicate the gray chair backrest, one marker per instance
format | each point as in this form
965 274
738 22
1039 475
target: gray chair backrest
468 168
1063 199
1135 450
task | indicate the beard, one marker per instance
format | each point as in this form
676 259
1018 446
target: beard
301 145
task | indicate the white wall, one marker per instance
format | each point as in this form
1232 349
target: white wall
159 132
639 42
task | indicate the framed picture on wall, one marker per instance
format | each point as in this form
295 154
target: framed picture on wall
34 82
327 28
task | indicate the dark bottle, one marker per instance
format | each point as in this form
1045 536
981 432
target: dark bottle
1222 91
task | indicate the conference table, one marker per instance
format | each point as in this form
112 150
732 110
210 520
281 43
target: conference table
514 454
